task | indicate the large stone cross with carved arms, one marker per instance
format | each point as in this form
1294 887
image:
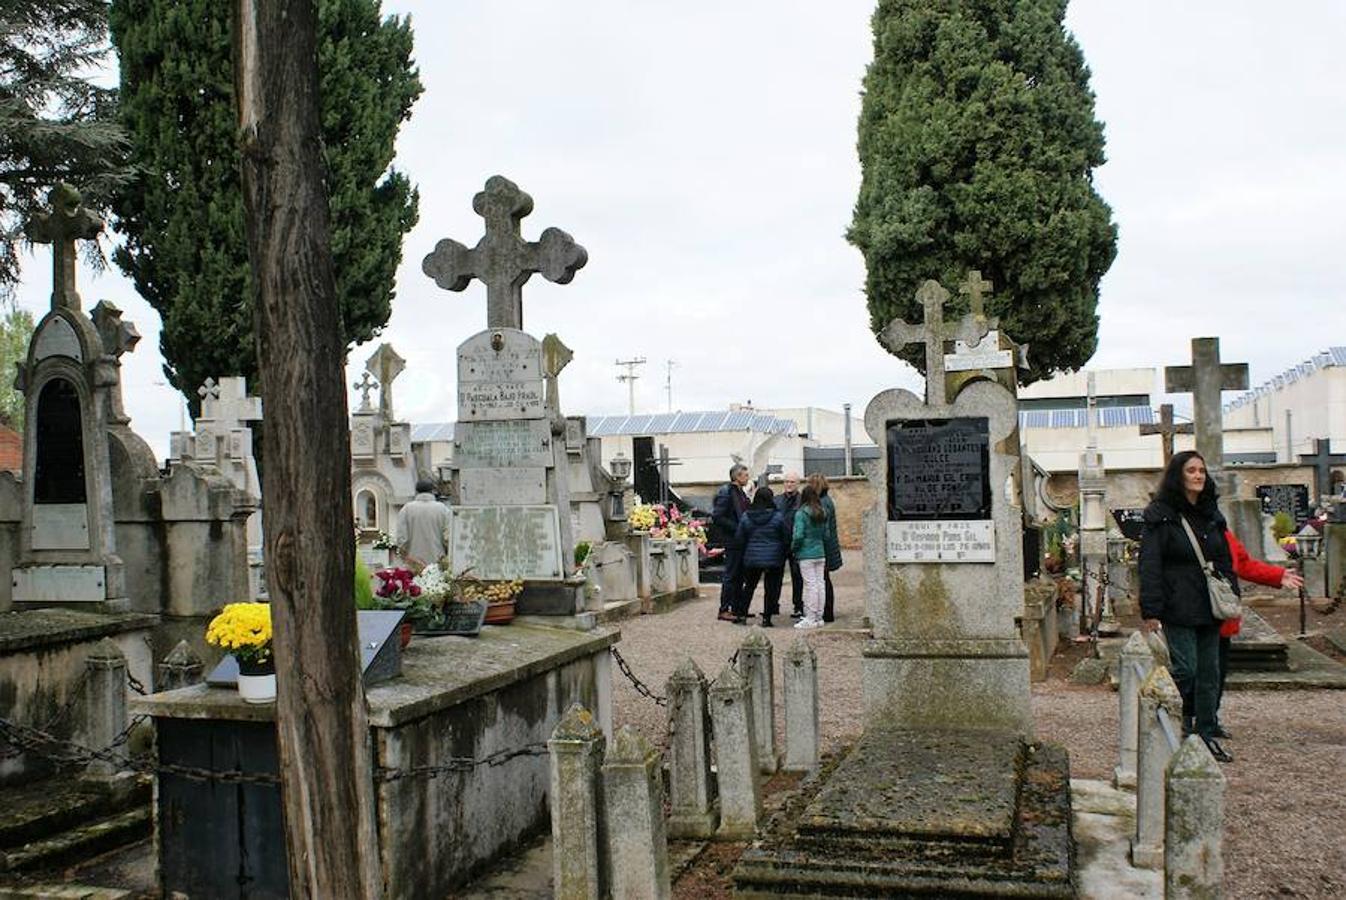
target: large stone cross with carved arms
67 221
502 259
934 332
1204 379
385 364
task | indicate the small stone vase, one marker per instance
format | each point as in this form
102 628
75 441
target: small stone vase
257 681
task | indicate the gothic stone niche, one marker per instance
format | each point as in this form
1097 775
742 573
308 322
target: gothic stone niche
939 491
60 495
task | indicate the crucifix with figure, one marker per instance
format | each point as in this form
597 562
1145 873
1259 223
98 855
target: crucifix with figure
1205 379
67 221
502 259
1166 429
934 332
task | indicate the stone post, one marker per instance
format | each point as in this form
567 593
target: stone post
578 864
693 812
1194 823
104 702
180 668
736 757
1134 653
633 792
1031 631
801 707
756 662
638 542
1152 755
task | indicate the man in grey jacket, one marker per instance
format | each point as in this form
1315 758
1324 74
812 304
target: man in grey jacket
423 528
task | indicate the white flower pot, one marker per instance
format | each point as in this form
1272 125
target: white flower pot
257 688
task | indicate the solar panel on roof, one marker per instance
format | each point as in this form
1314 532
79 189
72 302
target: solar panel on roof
637 425
1144 415
662 423
685 422
737 421
601 426
1338 355
1034 418
711 421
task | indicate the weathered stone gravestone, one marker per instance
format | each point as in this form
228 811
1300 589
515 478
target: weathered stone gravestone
944 760
1094 526
510 468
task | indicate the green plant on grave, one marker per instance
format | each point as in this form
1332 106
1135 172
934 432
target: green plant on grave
582 552
364 586
1282 525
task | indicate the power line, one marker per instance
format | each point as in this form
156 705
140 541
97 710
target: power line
630 379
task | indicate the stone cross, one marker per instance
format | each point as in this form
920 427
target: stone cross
933 333
385 365
227 403
1091 412
555 357
1166 429
119 337
502 259
67 222
1323 459
1204 379
365 385
974 286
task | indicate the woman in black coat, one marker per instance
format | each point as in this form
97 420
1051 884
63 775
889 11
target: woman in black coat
1173 593
765 539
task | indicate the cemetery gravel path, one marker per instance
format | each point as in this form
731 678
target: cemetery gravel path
1285 816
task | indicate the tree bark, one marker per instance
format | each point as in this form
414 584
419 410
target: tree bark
321 720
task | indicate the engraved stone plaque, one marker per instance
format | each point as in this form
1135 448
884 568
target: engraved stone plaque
938 469
969 541
500 542
505 486
500 377
525 442
362 437
60 526
1287 498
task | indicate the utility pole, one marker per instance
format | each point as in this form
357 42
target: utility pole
668 382
630 379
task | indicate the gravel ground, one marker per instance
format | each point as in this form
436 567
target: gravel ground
1285 819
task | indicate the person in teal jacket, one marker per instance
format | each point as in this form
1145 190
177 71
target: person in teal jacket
809 545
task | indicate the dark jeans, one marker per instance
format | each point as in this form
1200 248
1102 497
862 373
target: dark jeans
829 595
796 588
731 582
1224 673
775 577
1195 653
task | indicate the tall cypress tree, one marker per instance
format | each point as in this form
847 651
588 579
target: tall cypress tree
977 145
182 220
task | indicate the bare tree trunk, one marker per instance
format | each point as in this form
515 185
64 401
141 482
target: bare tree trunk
321 719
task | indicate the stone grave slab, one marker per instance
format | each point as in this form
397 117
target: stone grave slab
503 542
1258 647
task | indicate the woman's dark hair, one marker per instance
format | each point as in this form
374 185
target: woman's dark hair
1170 489
810 500
763 499
819 482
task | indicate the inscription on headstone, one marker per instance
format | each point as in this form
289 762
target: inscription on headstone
525 442
500 377
938 469
934 541
1289 498
502 542
1130 521
510 485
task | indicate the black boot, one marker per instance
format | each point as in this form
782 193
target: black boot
766 622
1220 753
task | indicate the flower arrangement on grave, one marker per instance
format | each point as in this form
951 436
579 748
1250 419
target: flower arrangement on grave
436 589
642 517
489 592
244 629
666 523
398 590
384 541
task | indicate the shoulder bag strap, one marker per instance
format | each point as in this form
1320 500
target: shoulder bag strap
1196 545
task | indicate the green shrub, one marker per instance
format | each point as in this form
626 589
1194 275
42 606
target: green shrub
364 585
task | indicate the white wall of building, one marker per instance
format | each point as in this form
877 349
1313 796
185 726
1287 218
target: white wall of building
1316 403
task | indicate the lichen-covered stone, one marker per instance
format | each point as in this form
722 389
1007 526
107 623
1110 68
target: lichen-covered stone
692 809
633 794
1194 823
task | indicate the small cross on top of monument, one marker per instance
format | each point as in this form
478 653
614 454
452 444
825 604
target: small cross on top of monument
385 364
118 335
976 289
365 386
934 332
66 222
502 259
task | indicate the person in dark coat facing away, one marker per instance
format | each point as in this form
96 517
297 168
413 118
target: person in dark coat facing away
1173 592
764 537
731 501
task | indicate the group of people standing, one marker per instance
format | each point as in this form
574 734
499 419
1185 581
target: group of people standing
1185 537
762 533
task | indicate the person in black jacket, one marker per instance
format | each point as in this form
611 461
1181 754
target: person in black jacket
1173 593
764 537
731 501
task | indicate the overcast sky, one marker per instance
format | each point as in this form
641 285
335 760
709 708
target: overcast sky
704 154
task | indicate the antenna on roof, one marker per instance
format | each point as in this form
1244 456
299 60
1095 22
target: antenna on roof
630 379
668 381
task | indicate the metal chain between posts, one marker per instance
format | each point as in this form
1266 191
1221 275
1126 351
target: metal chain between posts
76 695
641 688
461 764
135 683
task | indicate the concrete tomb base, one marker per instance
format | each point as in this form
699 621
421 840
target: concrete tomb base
967 813
457 698
1258 647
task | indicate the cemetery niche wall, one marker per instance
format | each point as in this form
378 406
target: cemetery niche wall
946 789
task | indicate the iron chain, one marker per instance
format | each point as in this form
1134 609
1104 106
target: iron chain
76 694
641 688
